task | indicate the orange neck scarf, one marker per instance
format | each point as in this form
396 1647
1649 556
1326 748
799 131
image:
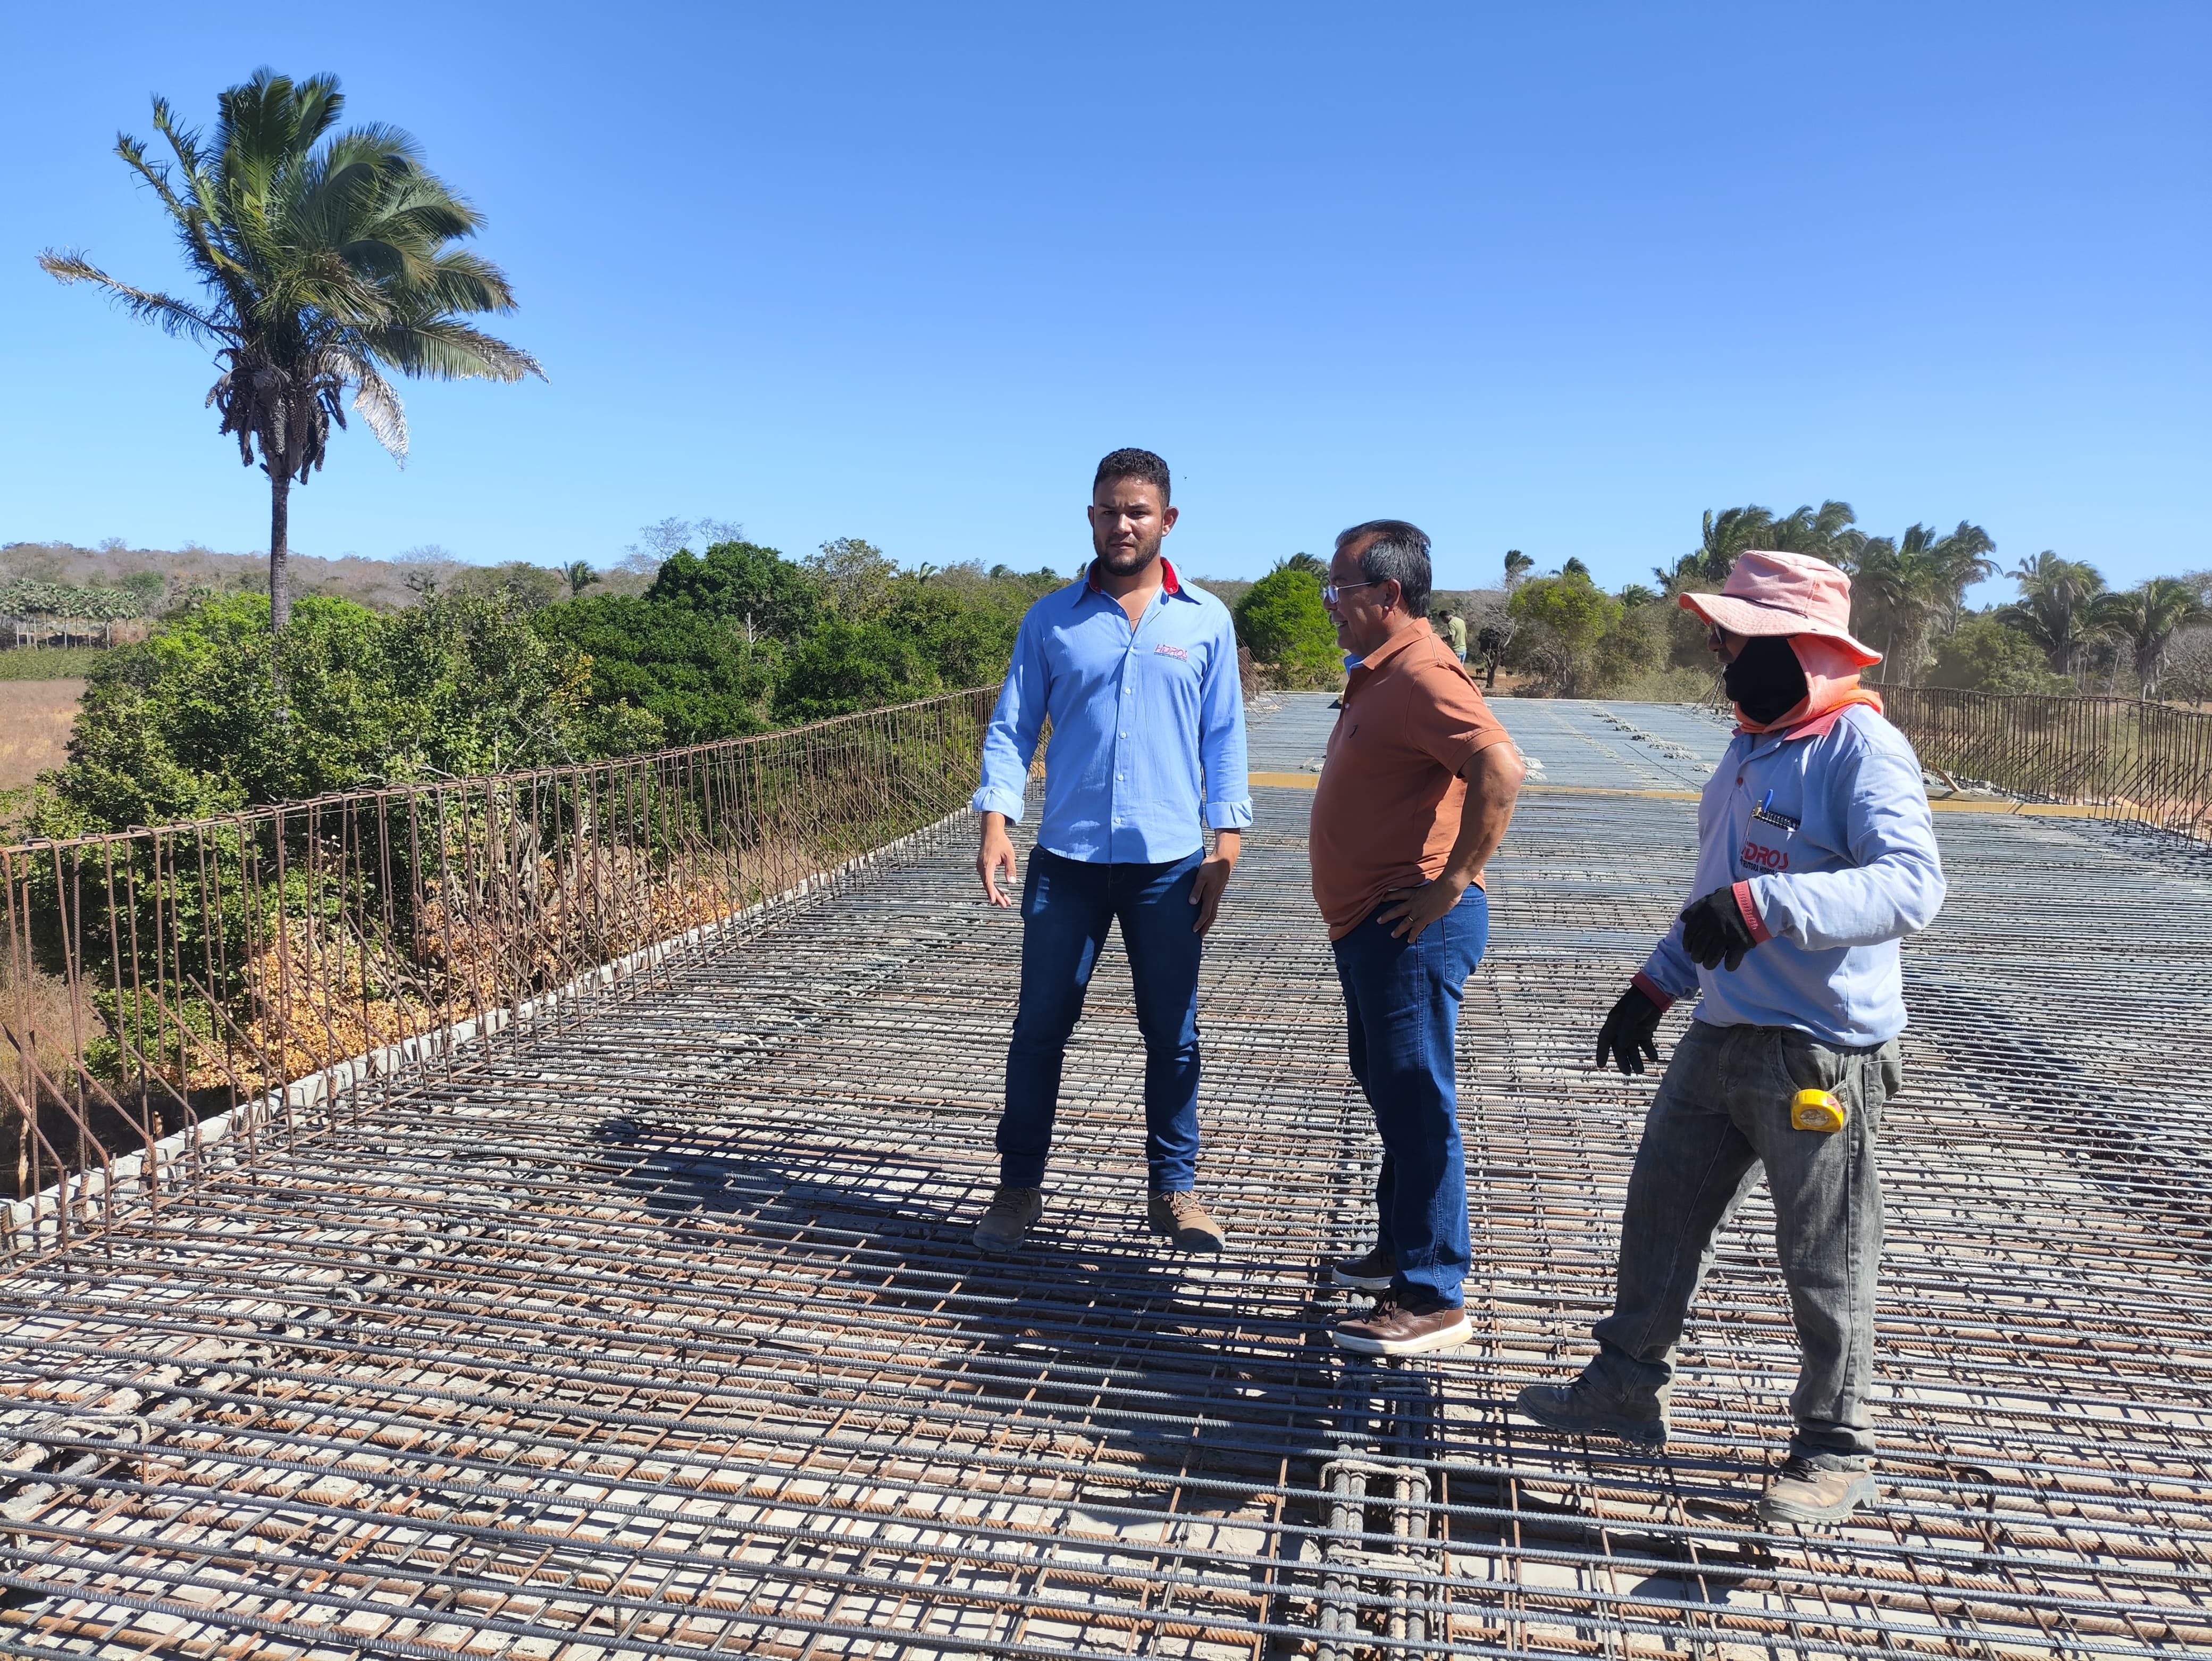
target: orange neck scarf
1832 682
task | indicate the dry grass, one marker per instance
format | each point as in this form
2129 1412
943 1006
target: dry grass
35 717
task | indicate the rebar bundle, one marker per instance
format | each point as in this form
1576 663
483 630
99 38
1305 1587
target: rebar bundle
657 1331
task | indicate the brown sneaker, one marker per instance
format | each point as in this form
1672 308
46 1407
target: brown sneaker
1180 1216
1011 1215
1411 1328
1805 1493
1372 1272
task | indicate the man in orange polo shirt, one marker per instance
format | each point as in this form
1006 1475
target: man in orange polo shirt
1414 797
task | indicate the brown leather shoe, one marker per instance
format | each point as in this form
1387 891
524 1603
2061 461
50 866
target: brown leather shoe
1190 1225
1413 1327
1372 1272
1814 1496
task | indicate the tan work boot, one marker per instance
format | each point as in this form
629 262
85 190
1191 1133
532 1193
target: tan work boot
1807 1494
1180 1216
1010 1215
1413 1327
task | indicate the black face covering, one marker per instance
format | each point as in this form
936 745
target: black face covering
1766 682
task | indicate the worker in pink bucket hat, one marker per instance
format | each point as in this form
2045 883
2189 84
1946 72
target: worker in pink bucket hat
1816 855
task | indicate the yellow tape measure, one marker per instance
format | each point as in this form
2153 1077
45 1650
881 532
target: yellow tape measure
1816 1110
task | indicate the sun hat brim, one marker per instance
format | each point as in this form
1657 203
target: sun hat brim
1749 617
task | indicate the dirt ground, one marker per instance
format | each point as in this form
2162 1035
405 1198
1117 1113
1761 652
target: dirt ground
34 728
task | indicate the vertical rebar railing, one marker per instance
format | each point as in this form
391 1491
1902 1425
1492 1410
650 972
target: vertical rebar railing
2123 758
163 989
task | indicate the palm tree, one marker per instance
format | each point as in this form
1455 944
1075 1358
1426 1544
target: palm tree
580 576
327 261
1903 591
1517 566
2146 618
2057 607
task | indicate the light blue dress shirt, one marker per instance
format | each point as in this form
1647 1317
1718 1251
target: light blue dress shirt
1147 725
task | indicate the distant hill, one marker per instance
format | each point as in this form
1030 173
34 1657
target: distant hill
380 584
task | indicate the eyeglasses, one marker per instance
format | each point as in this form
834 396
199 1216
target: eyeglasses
1330 590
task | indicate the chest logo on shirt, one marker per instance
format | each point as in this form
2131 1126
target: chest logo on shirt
1764 858
1167 651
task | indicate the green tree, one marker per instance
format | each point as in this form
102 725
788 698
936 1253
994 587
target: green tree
2146 616
662 672
2056 608
755 588
1561 620
328 259
1903 592
842 667
855 578
1283 622
580 576
1988 654
187 724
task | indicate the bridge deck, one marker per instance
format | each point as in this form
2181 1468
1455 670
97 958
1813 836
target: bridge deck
662 1337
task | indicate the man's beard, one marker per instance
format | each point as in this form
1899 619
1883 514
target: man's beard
1122 561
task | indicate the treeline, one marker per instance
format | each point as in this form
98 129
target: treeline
1560 634
512 667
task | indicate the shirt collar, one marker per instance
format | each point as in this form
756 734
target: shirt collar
1404 640
1170 583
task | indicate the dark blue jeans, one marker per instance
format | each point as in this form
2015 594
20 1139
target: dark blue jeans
1401 1000
1067 907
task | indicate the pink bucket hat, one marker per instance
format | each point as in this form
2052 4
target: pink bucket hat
1768 594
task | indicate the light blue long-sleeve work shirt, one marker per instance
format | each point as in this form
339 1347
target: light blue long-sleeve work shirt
1840 865
1147 725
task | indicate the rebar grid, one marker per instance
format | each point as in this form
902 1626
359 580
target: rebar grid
661 1334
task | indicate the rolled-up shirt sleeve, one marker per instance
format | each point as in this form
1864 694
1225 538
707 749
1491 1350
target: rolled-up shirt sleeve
1010 741
1221 736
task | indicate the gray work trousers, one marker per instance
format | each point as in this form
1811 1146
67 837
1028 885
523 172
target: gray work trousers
1723 1111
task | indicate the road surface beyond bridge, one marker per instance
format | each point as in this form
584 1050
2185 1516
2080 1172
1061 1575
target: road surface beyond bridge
662 1336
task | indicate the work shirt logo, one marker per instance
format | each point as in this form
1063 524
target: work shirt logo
1763 858
1167 651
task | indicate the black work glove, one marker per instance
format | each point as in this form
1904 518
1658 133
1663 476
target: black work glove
1714 931
1626 1037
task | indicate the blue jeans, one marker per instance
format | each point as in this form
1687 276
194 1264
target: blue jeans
1721 1117
1401 1001
1067 907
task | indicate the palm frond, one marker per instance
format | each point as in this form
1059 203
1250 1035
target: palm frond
380 406
173 315
445 348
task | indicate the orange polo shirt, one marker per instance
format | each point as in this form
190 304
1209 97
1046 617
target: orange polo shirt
1387 810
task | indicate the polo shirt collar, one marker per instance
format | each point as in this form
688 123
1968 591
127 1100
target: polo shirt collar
1170 583
1404 640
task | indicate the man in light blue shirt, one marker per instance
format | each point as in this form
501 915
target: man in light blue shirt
1138 673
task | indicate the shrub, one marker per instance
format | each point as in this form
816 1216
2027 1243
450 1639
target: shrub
1984 655
846 667
1562 619
1283 621
663 673
188 724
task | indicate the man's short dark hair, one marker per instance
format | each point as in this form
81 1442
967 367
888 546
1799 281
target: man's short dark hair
1134 464
1395 552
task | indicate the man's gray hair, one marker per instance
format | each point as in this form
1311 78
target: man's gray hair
1395 552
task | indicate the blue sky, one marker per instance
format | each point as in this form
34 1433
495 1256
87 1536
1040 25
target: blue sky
1555 278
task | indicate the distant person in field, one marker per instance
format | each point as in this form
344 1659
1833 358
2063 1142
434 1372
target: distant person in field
1456 625
1816 855
1415 792
1138 673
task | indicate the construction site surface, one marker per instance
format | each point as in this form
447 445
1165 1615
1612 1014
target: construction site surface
664 1335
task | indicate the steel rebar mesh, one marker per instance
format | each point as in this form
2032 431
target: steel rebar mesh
660 1333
